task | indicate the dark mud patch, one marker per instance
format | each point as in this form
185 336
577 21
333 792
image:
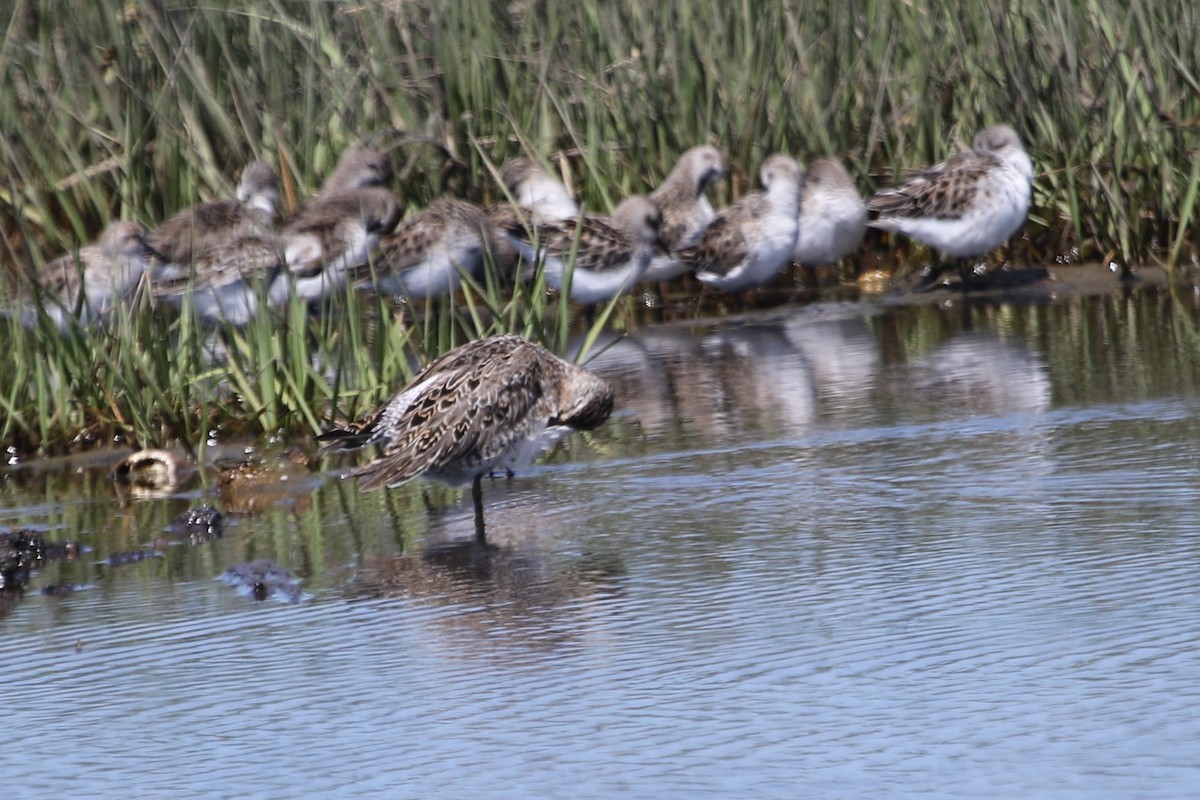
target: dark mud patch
689 301
1024 285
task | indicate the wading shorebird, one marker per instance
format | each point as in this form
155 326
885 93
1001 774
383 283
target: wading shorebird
966 206
429 253
833 215
749 242
593 258
188 234
686 210
331 237
87 284
358 168
491 404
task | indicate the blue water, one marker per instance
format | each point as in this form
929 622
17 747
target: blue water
840 553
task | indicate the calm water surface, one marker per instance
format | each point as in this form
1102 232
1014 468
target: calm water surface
838 552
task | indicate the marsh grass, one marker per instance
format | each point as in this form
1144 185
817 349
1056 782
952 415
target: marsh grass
154 376
134 111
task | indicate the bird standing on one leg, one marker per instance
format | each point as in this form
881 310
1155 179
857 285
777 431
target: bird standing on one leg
495 403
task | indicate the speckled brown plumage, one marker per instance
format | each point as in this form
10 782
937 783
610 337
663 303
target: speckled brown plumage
223 282
490 404
90 280
358 168
334 219
968 204
944 191
606 255
685 209
185 235
751 240
332 237
428 251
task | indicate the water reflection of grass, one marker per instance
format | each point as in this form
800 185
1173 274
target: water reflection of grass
135 112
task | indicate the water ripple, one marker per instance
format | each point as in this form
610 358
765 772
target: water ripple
832 594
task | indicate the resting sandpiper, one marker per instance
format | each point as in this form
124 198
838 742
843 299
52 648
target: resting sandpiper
186 234
428 253
833 215
537 191
88 283
967 205
593 258
491 404
686 210
752 240
224 281
358 168
331 237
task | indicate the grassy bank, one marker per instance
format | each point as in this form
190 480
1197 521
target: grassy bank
134 112
153 376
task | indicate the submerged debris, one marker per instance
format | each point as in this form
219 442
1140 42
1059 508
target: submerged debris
263 578
22 551
200 524
250 486
62 589
129 557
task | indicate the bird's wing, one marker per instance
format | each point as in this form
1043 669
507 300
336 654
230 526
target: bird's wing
446 413
944 191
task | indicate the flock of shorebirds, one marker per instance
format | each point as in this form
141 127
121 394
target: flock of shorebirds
227 256
494 404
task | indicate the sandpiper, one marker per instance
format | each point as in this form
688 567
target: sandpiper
593 258
226 281
686 211
428 253
749 242
332 236
185 235
358 168
258 191
833 215
491 404
537 191
88 283
533 196
967 205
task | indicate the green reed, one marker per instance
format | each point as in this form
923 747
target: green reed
137 110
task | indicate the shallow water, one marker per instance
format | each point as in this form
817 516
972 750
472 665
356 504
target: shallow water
839 551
